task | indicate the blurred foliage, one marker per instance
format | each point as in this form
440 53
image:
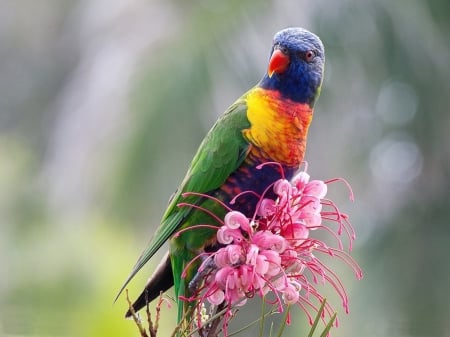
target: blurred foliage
102 105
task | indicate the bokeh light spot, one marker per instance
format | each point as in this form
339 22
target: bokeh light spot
397 103
396 160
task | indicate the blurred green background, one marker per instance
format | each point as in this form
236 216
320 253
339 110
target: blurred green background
103 103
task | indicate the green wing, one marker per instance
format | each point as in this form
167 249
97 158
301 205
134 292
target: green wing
221 152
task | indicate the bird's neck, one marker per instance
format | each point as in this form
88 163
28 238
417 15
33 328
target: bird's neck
279 127
299 89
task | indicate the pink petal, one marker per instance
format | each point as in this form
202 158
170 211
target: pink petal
312 220
252 254
221 258
274 262
217 297
222 275
225 235
291 293
310 204
261 265
295 233
246 274
316 188
268 240
300 180
235 254
282 187
235 220
266 207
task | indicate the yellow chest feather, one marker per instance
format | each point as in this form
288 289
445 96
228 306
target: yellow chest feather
279 128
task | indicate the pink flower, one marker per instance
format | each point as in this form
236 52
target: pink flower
291 292
275 251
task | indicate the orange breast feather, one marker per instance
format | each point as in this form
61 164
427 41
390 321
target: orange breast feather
279 127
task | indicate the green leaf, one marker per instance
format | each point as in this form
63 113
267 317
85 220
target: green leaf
328 327
283 324
317 319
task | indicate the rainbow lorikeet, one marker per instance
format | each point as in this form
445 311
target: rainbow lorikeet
269 123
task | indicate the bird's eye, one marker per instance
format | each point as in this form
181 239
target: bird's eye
284 50
310 55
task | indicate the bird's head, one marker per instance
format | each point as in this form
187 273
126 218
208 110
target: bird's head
296 65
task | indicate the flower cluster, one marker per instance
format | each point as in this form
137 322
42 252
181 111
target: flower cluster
273 252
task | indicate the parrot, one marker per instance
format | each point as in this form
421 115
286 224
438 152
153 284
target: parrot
268 123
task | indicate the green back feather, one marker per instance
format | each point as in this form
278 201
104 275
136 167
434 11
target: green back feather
221 152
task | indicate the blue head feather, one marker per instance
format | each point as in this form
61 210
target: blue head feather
302 80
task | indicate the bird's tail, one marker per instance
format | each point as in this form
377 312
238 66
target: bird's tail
161 280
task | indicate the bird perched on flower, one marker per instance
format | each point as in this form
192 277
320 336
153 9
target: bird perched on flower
269 123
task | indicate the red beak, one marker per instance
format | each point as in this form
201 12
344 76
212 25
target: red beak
278 63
